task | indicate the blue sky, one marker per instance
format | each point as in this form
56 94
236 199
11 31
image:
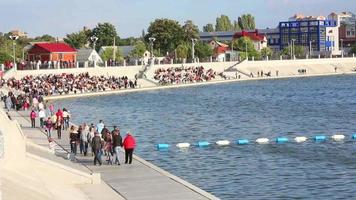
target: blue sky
58 17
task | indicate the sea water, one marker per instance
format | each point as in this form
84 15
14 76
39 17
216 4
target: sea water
243 110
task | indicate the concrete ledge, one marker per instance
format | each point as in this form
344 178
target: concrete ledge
176 179
94 178
29 143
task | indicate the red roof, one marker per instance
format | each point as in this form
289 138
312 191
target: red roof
255 36
220 50
55 47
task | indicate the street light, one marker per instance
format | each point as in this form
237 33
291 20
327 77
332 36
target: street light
193 45
342 49
246 49
151 39
14 38
310 47
293 40
94 39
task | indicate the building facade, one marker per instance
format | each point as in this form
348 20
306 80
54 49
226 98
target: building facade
52 52
347 29
317 36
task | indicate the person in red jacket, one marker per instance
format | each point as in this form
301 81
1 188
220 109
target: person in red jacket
129 146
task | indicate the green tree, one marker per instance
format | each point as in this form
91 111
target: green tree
245 45
182 51
168 34
246 22
223 23
208 28
139 49
5 57
353 49
45 38
236 26
266 51
299 51
108 54
203 50
78 40
105 32
190 31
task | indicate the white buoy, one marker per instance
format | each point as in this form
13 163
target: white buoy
183 145
262 141
300 139
223 142
338 137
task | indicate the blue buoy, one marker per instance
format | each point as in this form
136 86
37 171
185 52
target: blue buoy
320 138
203 144
242 141
162 146
281 139
354 136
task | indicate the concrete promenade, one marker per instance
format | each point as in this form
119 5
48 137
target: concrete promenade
141 180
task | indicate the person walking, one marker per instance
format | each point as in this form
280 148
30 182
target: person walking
51 109
129 146
73 139
49 126
116 143
100 126
97 145
84 139
66 117
59 126
42 116
33 116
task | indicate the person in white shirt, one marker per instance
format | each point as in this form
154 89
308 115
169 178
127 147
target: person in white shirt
66 117
42 116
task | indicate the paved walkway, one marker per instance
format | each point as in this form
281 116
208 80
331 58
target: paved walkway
140 180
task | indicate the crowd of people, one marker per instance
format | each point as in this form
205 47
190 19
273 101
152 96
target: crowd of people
97 139
59 84
183 74
102 142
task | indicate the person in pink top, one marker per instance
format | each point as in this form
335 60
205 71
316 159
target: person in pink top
51 109
129 146
33 116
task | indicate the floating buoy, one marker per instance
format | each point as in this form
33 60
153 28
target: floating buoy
242 141
183 145
338 137
281 139
320 138
203 144
300 139
162 146
262 141
354 136
223 142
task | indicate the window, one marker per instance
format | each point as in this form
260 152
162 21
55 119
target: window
303 23
350 31
313 23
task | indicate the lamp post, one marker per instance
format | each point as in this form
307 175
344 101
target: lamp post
93 40
293 40
193 53
342 49
14 38
246 50
310 48
151 39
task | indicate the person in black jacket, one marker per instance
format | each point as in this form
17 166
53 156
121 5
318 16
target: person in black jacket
97 145
116 144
